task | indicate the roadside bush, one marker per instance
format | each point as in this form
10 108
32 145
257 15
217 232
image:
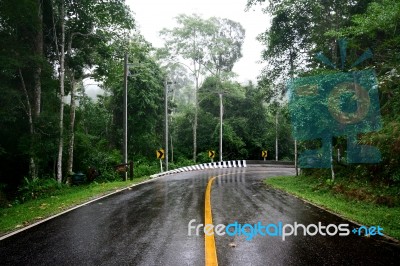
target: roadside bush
94 152
38 187
107 174
202 157
145 169
180 162
3 198
104 162
396 177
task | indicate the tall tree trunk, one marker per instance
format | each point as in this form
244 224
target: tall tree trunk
71 75
71 126
28 109
33 112
61 95
38 51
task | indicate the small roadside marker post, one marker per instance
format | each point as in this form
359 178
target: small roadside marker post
264 154
160 155
211 154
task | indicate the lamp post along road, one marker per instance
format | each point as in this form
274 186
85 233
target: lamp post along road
276 136
221 110
125 113
295 140
166 123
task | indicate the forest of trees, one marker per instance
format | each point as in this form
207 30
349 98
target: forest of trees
50 127
302 31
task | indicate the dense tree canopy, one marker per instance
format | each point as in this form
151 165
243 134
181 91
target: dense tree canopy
301 29
49 49
212 46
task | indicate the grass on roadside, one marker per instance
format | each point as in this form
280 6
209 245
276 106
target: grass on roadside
337 198
20 215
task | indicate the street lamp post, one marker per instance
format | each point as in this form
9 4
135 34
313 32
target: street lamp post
220 128
166 123
125 114
276 136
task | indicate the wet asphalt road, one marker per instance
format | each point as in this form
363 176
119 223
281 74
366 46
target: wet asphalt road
148 225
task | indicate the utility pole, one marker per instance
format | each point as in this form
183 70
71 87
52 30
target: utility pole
166 123
172 149
221 108
276 136
125 114
295 157
295 140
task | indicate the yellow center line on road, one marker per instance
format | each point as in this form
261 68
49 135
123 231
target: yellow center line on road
210 249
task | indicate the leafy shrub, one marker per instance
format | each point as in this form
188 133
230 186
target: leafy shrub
104 161
202 157
145 169
180 162
3 198
108 175
396 177
37 188
330 182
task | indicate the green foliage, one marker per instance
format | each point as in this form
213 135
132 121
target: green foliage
330 182
213 45
383 15
225 46
297 33
17 215
38 188
146 168
203 157
301 28
182 161
145 95
92 148
30 56
248 123
234 146
97 35
93 151
396 177
179 38
3 196
366 203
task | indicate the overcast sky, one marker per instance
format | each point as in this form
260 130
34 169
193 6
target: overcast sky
153 15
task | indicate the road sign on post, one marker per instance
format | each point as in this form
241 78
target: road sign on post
160 154
264 154
211 154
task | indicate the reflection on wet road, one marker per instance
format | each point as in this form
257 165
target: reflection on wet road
148 225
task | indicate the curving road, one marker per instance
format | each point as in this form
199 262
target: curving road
148 225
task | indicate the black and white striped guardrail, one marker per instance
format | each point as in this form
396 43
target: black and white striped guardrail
215 165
